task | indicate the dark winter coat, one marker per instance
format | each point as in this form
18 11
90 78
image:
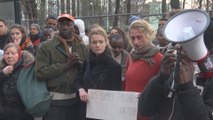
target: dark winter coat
4 39
11 106
51 65
99 72
188 102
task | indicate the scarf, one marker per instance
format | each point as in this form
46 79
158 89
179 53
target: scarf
33 38
25 42
95 69
65 43
100 59
146 53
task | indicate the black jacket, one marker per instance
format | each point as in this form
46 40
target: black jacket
4 39
11 105
187 102
99 72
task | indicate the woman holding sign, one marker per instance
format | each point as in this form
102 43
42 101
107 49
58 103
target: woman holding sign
100 70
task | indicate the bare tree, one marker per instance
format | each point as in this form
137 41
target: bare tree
78 8
175 4
73 8
57 2
128 10
184 1
30 8
62 6
43 13
163 9
115 23
68 6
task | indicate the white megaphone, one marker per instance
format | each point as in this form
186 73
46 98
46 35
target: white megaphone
187 28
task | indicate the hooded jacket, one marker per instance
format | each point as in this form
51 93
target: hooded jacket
81 27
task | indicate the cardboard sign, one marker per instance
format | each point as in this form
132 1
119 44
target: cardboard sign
112 105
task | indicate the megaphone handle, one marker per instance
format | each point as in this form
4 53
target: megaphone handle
177 66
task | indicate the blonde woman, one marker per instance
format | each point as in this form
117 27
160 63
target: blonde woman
100 70
144 60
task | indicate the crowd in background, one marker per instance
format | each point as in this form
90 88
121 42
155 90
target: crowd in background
71 62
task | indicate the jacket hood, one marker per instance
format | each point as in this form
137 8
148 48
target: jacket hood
27 56
80 24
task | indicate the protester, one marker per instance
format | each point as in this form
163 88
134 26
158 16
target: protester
52 21
133 18
19 36
100 70
11 105
80 30
119 54
177 93
57 62
47 33
156 41
117 30
162 22
35 34
144 61
163 44
4 34
184 101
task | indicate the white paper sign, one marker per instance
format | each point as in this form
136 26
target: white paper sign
112 105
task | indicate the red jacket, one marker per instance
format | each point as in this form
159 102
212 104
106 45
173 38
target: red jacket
139 72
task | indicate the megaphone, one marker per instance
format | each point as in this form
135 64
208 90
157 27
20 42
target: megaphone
187 28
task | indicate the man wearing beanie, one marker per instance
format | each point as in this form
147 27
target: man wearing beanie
57 62
35 34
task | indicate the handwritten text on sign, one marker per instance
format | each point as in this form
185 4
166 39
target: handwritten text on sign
112 105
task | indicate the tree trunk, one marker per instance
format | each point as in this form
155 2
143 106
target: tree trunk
58 10
207 4
62 6
43 12
115 23
78 8
200 4
31 10
128 10
163 10
68 6
73 8
184 1
175 4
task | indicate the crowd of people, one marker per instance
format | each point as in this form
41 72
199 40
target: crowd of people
71 62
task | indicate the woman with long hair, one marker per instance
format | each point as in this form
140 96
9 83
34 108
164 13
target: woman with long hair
97 69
